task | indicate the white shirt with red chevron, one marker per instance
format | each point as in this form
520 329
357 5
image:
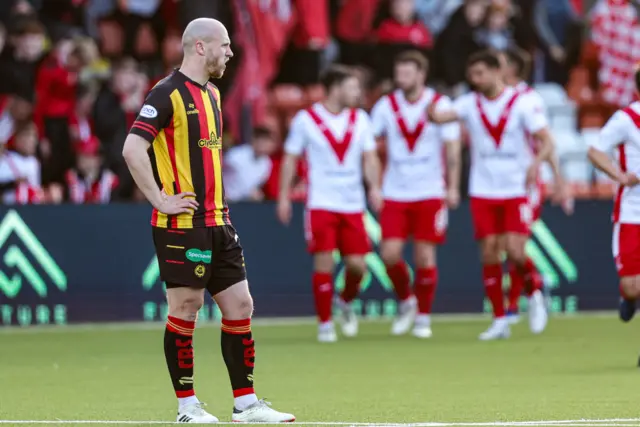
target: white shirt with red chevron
26 169
500 155
622 134
333 145
415 167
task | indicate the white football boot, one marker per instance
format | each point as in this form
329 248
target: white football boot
499 329
348 319
538 315
422 327
406 316
327 332
261 412
195 413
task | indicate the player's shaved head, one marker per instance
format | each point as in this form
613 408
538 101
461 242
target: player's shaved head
202 29
207 48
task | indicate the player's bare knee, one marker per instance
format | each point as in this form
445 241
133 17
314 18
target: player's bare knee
516 252
425 255
390 254
630 286
355 264
490 251
245 307
186 307
323 262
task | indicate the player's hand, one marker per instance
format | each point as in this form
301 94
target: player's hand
177 204
453 198
629 180
532 175
431 112
562 196
375 199
284 211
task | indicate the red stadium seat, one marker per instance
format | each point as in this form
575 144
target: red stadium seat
287 98
111 38
581 190
146 44
314 93
604 190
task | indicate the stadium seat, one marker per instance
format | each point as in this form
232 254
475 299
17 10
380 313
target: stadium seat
314 93
287 98
580 190
146 44
553 94
604 190
111 38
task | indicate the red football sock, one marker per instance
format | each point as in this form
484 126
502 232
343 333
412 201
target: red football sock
492 276
399 275
351 286
425 288
323 295
532 280
517 283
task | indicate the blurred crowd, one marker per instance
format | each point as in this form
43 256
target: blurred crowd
74 73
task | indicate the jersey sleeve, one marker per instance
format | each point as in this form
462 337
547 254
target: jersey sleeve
296 140
612 134
533 115
378 117
462 106
154 115
367 139
448 131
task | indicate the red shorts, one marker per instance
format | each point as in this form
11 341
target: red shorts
500 216
626 249
425 220
326 231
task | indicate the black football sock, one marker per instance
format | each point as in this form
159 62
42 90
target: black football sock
178 351
238 353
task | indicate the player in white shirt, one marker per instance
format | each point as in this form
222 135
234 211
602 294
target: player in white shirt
337 141
622 134
503 167
414 187
516 65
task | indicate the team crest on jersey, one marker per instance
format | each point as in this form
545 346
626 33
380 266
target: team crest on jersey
200 270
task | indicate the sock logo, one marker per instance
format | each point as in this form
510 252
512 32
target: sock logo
250 378
185 380
249 354
185 354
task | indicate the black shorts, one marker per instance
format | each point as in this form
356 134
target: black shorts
204 258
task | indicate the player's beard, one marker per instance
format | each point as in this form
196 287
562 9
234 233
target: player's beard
216 67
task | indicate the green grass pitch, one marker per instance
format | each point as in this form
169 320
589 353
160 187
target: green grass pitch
580 368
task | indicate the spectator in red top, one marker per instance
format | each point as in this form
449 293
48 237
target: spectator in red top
301 63
354 27
401 31
56 85
81 121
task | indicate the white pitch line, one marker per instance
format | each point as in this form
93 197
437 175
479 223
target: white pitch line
611 422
